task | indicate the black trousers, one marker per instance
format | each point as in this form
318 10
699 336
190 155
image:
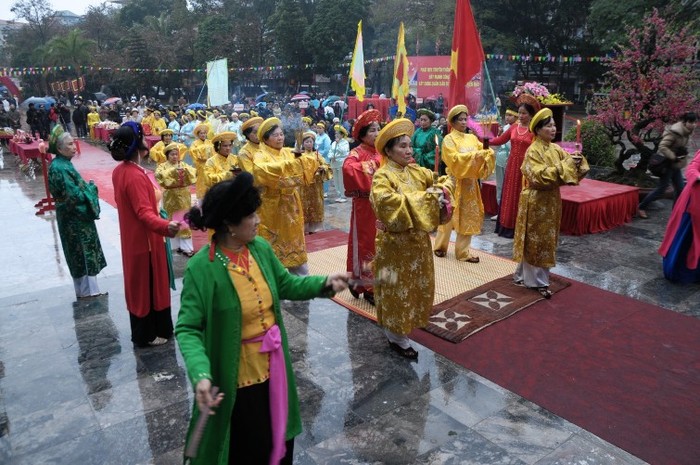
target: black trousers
251 428
155 324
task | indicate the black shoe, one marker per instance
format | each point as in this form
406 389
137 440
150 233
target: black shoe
354 293
369 297
409 353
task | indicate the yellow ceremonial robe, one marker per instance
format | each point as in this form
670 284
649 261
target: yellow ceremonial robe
546 167
467 162
407 214
312 195
280 175
92 119
201 151
158 125
218 168
148 121
157 152
246 156
175 180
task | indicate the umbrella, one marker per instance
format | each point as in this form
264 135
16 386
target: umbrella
195 106
298 97
112 100
36 101
260 97
101 96
331 99
304 92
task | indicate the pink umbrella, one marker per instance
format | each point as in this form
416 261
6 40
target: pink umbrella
112 100
298 97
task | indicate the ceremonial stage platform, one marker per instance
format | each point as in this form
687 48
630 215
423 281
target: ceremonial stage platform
591 207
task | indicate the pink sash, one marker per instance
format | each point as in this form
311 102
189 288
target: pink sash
272 343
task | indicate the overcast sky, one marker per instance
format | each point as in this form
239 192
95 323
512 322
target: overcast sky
79 7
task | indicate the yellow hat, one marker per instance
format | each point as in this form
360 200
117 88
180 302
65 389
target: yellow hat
244 115
201 126
307 120
172 114
253 113
250 122
191 112
396 128
166 132
321 124
539 116
201 114
456 110
157 113
172 146
223 115
266 125
511 112
308 134
227 135
340 129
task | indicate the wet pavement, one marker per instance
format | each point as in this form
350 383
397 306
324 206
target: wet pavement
73 390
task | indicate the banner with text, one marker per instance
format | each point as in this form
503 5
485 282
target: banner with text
429 76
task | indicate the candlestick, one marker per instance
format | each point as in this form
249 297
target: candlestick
578 132
437 153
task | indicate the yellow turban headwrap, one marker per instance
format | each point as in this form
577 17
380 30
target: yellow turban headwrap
201 114
456 110
172 146
266 125
511 112
396 128
227 135
321 124
308 134
244 116
250 122
157 113
340 129
166 132
201 127
539 116
172 114
307 120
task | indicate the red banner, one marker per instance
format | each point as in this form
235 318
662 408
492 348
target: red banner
429 76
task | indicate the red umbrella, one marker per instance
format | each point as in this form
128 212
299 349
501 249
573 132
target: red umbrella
298 97
112 100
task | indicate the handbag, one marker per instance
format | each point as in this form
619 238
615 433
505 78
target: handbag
658 164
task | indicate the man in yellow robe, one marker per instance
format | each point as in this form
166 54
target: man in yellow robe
247 153
546 167
468 162
175 177
279 173
157 152
200 151
92 119
158 124
224 164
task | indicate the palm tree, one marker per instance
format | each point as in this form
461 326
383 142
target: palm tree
72 49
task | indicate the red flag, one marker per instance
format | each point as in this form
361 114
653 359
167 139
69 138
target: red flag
467 53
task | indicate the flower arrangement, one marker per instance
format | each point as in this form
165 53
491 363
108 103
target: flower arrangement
540 92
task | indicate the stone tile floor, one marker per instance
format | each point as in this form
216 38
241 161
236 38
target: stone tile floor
74 390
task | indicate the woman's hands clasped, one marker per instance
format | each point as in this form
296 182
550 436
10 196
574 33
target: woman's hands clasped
173 228
338 281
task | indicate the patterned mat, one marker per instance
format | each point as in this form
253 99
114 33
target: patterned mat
464 315
452 277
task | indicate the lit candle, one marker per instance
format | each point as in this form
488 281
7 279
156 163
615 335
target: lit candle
578 132
437 154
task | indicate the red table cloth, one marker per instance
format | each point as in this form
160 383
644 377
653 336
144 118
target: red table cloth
591 207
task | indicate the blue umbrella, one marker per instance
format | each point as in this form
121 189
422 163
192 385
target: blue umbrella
37 101
331 99
196 106
260 97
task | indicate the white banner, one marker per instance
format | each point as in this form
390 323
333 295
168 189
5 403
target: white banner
217 82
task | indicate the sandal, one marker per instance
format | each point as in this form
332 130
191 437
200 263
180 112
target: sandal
409 353
642 214
544 292
188 254
440 253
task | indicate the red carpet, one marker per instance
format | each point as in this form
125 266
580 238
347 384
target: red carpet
97 164
591 207
625 370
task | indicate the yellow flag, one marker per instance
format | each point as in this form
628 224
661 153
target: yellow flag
357 66
399 88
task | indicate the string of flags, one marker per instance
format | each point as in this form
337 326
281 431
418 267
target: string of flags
36 70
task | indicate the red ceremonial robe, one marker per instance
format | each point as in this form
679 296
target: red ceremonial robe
142 236
688 201
520 139
358 169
